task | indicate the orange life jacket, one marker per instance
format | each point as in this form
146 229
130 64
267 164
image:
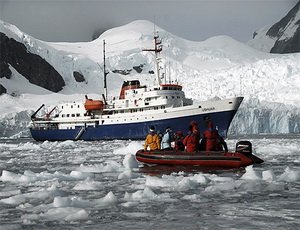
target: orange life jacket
153 141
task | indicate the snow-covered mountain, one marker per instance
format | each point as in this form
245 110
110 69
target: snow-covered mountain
282 37
219 67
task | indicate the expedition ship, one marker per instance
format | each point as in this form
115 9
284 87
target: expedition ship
130 115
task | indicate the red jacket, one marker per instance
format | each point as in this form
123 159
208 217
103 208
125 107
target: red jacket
179 146
191 142
212 140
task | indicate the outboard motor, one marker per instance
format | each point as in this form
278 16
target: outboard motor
244 147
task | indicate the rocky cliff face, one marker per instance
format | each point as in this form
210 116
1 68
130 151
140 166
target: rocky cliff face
287 32
31 66
282 37
2 89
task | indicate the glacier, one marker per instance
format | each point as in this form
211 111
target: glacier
219 67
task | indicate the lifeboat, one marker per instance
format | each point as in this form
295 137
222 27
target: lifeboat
242 157
91 105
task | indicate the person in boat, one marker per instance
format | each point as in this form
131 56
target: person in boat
178 137
166 140
160 135
212 140
192 140
152 140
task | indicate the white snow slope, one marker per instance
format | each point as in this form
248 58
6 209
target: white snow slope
219 67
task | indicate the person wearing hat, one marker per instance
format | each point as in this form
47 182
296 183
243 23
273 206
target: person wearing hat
179 146
213 141
166 140
192 140
152 140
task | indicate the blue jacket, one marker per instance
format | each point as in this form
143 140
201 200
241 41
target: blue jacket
166 141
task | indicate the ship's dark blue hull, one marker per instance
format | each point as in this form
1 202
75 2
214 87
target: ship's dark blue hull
133 131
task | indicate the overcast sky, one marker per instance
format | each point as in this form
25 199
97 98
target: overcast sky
77 20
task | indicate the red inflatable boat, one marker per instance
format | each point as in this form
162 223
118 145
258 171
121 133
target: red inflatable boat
242 157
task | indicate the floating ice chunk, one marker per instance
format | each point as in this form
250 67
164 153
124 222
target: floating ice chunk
131 148
27 146
186 184
268 175
30 177
165 181
137 214
14 200
22 198
125 175
192 197
220 187
250 174
9 192
88 185
147 194
66 144
8 176
130 162
109 166
174 183
199 178
297 160
79 215
62 202
108 200
80 175
289 175
65 213
76 202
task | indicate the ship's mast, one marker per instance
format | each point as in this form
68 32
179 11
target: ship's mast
104 70
157 49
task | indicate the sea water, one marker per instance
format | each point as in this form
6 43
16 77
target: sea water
99 185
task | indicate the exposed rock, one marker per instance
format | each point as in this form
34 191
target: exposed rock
286 43
282 37
31 66
290 46
2 89
78 76
4 70
277 30
139 68
121 71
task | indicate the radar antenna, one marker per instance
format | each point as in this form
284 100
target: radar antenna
157 49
